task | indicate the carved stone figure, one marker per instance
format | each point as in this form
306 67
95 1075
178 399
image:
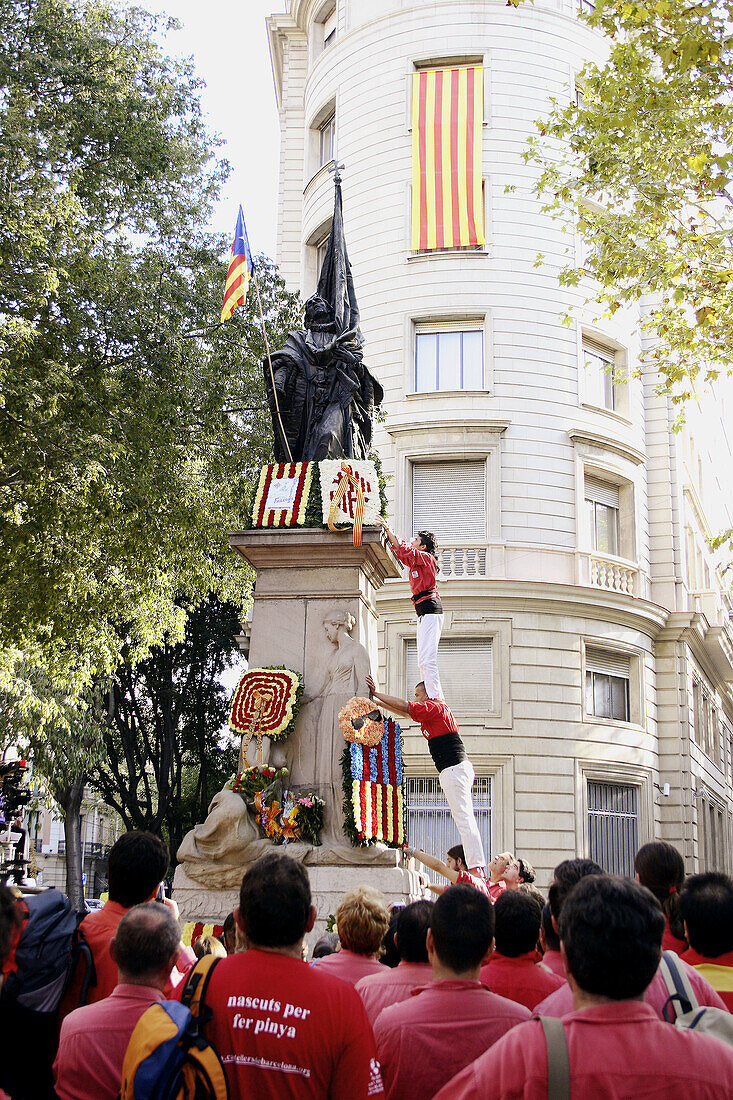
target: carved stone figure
216 852
314 752
323 398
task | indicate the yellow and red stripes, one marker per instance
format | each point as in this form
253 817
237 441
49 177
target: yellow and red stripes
447 195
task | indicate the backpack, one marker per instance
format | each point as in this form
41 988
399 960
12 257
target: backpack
45 959
688 1014
168 1056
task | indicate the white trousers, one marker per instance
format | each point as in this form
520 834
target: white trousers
429 628
456 782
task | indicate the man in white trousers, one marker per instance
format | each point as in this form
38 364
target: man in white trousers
455 771
421 559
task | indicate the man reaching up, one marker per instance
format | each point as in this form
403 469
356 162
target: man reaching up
455 771
421 560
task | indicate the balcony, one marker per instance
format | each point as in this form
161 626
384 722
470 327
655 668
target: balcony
612 574
459 562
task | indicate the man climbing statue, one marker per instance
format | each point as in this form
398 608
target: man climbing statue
455 771
421 559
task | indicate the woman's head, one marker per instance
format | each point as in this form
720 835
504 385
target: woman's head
336 620
362 920
660 867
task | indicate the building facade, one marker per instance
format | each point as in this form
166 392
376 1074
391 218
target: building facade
588 645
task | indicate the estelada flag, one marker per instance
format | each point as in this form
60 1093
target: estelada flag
447 124
240 269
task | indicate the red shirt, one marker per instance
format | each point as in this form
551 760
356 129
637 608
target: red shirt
560 1003
477 881
425 1040
718 971
670 942
93 1042
617 1051
288 1031
379 991
100 928
435 719
422 567
349 966
496 889
522 979
553 961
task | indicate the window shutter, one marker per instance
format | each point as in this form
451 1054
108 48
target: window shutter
598 349
601 492
466 673
449 498
476 325
612 664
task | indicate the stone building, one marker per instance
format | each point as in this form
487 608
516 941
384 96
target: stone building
588 642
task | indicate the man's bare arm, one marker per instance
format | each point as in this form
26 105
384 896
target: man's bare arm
391 702
433 863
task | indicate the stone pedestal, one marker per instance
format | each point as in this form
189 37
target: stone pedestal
303 577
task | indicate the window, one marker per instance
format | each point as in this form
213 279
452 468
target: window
429 824
600 376
449 356
613 825
466 672
704 720
329 27
449 499
607 683
327 132
602 502
711 828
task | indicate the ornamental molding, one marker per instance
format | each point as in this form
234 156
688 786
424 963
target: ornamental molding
607 443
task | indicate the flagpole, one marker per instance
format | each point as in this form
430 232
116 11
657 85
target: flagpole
269 362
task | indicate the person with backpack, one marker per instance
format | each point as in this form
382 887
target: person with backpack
94 1038
612 1044
281 1028
138 863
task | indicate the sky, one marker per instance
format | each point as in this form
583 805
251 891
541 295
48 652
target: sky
227 40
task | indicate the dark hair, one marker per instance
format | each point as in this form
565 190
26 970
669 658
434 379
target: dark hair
526 871
462 923
552 940
661 869
138 862
427 538
457 852
10 921
326 945
275 901
517 922
706 905
412 927
388 953
611 929
147 939
567 874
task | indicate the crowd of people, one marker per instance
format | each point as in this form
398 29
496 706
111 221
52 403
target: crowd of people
481 992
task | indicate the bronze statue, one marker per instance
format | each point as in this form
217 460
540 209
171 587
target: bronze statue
326 396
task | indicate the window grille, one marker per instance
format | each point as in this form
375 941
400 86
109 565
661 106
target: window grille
428 820
613 825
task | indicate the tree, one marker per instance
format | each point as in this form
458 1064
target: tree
130 418
643 163
62 736
165 753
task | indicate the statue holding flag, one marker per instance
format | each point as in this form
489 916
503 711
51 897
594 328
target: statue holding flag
323 398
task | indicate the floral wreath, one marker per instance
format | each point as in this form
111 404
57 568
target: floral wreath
265 703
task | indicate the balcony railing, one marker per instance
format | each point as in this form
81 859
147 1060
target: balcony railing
612 575
462 561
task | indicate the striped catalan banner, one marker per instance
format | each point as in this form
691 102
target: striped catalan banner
447 194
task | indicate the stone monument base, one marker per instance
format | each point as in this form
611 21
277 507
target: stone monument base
332 871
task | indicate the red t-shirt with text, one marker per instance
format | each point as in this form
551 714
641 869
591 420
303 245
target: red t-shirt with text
288 1031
